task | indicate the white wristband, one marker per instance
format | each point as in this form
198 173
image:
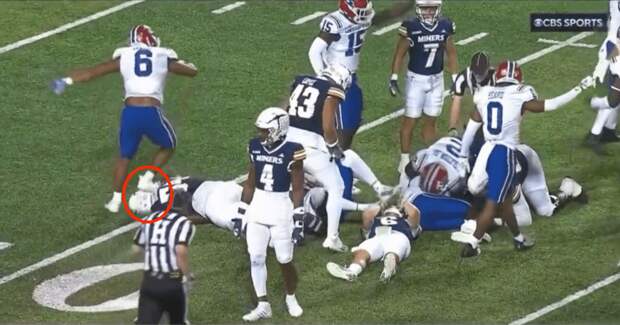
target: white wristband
394 76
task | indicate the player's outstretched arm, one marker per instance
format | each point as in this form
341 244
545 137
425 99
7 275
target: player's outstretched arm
455 114
182 68
81 75
539 106
402 46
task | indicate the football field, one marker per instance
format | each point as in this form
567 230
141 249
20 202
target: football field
58 153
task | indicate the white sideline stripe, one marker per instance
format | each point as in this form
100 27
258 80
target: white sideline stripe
555 47
4 245
239 179
472 39
579 294
229 7
308 18
550 41
521 61
69 252
387 29
68 26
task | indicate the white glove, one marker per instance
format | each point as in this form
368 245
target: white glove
465 168
586 83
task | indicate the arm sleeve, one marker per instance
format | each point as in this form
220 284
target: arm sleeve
117 53
316 54
403 30
559 101
468 136
299 153
452 28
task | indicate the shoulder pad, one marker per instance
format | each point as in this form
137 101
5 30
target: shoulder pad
330 24
118 52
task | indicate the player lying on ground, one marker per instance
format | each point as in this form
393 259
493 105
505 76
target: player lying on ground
500 109
144 67
390 233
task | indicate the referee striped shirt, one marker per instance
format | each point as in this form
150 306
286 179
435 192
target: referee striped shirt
159 240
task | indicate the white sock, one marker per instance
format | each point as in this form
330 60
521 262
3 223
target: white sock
291 298
519 237
333 208
360 169
355 268
117 197
404 160
599 121
349 205
612 119
259 279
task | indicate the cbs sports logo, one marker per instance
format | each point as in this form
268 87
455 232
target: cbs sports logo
568 22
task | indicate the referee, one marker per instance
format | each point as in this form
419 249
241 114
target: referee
166 268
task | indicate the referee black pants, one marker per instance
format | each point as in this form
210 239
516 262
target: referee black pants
159 294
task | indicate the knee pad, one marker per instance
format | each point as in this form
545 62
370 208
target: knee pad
257 260
475 186
546 211
284 251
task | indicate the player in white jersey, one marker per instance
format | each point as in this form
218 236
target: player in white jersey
340 41
144 67
604 127
499 110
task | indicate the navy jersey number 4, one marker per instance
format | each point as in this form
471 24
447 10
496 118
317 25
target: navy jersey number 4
273 166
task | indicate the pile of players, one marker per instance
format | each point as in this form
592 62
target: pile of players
301 168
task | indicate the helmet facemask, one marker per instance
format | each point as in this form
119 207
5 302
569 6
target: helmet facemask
428 11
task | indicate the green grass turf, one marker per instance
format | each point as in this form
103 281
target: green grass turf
58 153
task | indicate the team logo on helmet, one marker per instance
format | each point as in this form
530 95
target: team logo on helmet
508 71
434 178
358 11
276 121
143 34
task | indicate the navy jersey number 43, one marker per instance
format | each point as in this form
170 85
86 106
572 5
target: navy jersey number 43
273 166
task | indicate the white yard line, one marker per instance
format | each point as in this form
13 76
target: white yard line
579 294
387 29
472 39
4 245
68 26
550 41
69 252
229 7
363 128
308 18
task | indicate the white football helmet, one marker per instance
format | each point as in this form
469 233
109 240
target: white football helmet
141 202
339 74
392 212
275 120
419 10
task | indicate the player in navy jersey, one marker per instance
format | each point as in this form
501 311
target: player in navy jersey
276 164
426 38
391 232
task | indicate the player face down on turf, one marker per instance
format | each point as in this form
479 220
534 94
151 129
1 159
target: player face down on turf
426 38
276 164
144 66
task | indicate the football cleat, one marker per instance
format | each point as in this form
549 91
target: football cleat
334 243
469 251
340 272
571 187
389 268
523 245
146 184
293 307
594 142
262 311
609 136
383 191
